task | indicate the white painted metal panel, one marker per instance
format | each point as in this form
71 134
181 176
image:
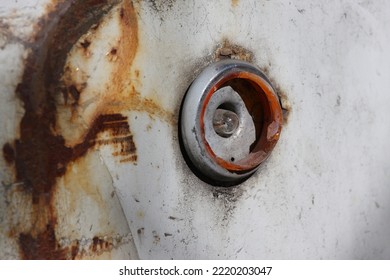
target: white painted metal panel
323 193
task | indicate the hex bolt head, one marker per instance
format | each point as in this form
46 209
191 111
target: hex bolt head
230 121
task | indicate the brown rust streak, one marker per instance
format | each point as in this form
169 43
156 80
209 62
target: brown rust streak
123 94
97 246
100 245
283 97
41 155
119 94
8 153
235 3
228 49
74 250
42 245
119 128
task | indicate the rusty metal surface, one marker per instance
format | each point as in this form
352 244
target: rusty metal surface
91 166
54 184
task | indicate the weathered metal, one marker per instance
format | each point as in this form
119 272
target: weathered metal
242 88
90 100
46 163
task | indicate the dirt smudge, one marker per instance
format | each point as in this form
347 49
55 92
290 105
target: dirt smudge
159 7
227 198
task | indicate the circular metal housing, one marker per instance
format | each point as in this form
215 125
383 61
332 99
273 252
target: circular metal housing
221 149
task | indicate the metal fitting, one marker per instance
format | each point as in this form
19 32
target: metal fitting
230 121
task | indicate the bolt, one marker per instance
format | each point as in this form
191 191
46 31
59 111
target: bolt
225 122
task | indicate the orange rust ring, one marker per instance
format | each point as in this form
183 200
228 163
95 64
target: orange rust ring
260 100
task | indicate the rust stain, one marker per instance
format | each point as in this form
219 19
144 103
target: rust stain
112 55
8 153
283 98
72 90
129 98
85 44
235 3
41 155
99 245
75 250
118 95
229 50
120 137
44 244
